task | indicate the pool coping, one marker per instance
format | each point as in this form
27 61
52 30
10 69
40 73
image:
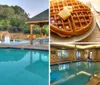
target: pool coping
28 47
64 62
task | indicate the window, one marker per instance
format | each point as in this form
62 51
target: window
78 54
63 53
59 53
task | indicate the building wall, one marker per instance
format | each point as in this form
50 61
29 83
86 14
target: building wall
82 54
97 57
71 54
93 50
16 36
53 55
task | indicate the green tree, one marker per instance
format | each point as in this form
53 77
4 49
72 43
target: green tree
13 18
45 29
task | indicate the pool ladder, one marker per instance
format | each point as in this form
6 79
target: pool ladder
93 75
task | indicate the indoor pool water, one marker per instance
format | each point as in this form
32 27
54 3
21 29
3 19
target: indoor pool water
77 73
23 67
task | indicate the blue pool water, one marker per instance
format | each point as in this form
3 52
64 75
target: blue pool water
16 42
23 67
73 73
22 42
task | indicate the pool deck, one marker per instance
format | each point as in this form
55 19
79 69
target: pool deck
64 62
26 46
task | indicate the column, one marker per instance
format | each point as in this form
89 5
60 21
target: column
31 34
40 31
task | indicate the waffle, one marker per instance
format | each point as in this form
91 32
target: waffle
78 23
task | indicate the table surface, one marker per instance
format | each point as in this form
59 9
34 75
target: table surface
94 36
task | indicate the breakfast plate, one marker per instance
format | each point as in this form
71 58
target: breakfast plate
78 26
96 4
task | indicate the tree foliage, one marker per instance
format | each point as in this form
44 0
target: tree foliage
13 18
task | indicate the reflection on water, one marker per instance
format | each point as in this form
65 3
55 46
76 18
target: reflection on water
65 71
41 60
23 67
63 66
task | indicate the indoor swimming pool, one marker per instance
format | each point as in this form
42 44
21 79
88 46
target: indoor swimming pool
23 67
76 73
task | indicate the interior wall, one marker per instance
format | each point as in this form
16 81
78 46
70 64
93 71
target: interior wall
93 50
72 54
53 55
82 54
97 57
87 53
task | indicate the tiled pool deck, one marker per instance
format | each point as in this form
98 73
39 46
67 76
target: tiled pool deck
26 46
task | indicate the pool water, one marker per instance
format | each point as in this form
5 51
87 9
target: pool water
16 42
22 42
77 73
23 67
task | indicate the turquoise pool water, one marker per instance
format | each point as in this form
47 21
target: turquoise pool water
23 67
77 73
22 42
16 42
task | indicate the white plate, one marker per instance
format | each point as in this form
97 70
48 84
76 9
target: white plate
96 4
56 38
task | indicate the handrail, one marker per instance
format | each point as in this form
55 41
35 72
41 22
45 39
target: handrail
94 73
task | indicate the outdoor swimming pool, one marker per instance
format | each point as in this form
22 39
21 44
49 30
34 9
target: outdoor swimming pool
23 67
77 73
16 42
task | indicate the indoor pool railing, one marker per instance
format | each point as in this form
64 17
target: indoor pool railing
95 74
94 78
